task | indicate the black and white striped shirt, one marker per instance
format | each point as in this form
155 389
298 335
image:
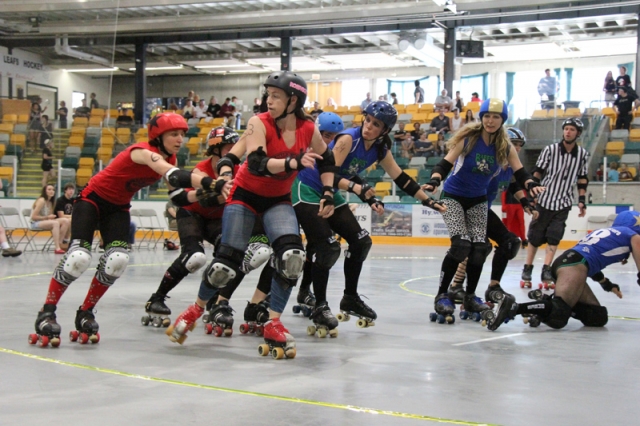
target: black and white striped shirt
561 171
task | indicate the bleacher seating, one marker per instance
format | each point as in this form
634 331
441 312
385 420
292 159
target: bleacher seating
615 148
634 135
2 149
94 121
6 128
383 189
6 173
20 129
88 162
78 131
73 151
23 119
104 154
107 142
10 118
80 122
4 138
20 140
70 163
539 113
417 163
82 177
375 176
123 135
619 135
77 141
572 112
193 145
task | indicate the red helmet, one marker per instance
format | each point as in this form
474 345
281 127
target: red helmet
165 122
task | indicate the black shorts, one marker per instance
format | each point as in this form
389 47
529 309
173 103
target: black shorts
549 227
568 258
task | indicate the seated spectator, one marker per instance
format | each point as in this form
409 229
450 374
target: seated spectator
416 131
457 121
64 207
236 113
331 102
424 147
124 119
188 111
440 124
7 250
48 172
47 130
469 118
82 111
625 173
190 96
256 106
213 108
200 110
443 101
408 148
225 109
43 218
599 173
441 145
612 174
316 110
458 102
173 106
475 98
400 134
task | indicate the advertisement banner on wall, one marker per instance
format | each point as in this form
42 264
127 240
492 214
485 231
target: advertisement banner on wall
362 212
395 222
428 223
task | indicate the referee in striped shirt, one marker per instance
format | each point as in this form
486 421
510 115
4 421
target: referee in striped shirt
559 166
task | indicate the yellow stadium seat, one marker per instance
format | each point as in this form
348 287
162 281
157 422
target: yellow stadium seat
473 106
76 141
97 112
10 118
353 108
87 163
427 108
331 108
203 134
107 142
359 118
112 113
633 171
83 176
342 110
23 118
6 128
401 108
615 148
572 112
20 140
123 135
383 189
219 121
634 135
108 131
412 109
432 137
78 131
80 122
104 154
194 145
412 173
3 148
6 173
95 121
539 113
432 115
143 132
420 117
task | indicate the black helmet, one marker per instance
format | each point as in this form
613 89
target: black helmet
291 83
218 137
575 122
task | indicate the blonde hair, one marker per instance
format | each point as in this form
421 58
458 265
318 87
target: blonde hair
472 133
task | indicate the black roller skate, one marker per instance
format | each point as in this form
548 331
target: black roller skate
323 322
255 316
219 320
306 302
86 327
526 276
547 279
444 310
534 320
502 313
47 329
489 295
157 312
277 341
473 307
457 295
353 305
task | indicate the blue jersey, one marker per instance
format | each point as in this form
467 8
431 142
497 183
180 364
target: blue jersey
501 181
472 172
357 160
604 247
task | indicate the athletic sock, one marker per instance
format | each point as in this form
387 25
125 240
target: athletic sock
56 290
95 293
449 268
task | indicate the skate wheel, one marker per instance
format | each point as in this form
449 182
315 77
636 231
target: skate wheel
311 330
433 316
488 316
32 339
322 333
144 321
205 318
535 322
244 328
208 328
83 338
73 335
362 323
291 353
193 326
540 286
157 322
333 333
464 315
94 338
228 332
166 322
55 342
552 286
525 320
217 331
296 309
306 312
43 341
263 349
521 284
450 319
277 353
528 285
477 317
343 317
440 319
259 331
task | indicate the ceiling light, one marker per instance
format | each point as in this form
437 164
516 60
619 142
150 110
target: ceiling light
94 70
222 66
176 67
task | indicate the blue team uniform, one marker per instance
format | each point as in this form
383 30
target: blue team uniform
604 247
503 178
472 172
357 160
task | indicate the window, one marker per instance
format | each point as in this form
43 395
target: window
76 99
354 91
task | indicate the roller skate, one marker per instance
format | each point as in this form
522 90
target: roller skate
353 305
473 307
157 312
323 322
457 295
526 276
185 322
277 341
444 310
47 329
219 320
306 302
255 315
489 294
534 320
86 327
547 279
502 313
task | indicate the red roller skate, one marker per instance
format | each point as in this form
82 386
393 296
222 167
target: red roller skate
278 341
185 322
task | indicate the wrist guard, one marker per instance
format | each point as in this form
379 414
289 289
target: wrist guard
638 278
532 185
607 285
524 202
220 183
435 182
431 203
582 200
373 200
207 198
328 200
363 192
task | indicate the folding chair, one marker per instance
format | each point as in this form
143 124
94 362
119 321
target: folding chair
12 222
31 234
149 224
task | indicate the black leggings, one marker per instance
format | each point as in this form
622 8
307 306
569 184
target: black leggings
92 212
499 233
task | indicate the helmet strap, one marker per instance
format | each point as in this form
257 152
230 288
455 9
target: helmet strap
284 114
161 147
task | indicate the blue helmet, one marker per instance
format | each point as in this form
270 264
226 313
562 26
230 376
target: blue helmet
516 135
495 105
329 122
384 112
629 219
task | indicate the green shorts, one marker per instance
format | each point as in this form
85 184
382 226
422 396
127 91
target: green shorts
301 193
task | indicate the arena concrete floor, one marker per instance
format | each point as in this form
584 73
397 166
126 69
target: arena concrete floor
404 370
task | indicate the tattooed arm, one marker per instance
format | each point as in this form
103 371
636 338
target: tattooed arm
151 159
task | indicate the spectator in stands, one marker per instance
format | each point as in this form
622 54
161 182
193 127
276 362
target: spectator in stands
316 110
424 147
173 106
610 89
190 97
35 125
599 173
256 106
612 174
623 80
469 118
43 218
408 148
47 162
416 131
457 102
395 98
124 119
443 101
225 109
188 111
624 173
196 100
62 115
64 207
331 102
418 93
93 103
441 147
624 108
547 88
366 102
200 110
47 130
475 97
237 114
457 121
440 124
214 107
400 134
82 111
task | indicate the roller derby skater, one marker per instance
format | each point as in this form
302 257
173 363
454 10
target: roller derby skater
465 192
157 311
47 329
561 172
104 204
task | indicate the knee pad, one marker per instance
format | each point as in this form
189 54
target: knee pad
74 263
225 267
509 247
560 314
360 250
113 263
460 248
258 252
479 253
591 315
327 253
288 258
193 261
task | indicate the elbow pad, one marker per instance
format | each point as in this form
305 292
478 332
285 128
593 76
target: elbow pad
522 176
442 168
407 184
179 197
257 163
327 164
228 160
178 178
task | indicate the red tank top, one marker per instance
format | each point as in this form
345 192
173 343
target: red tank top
279 184
206 212
122 178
